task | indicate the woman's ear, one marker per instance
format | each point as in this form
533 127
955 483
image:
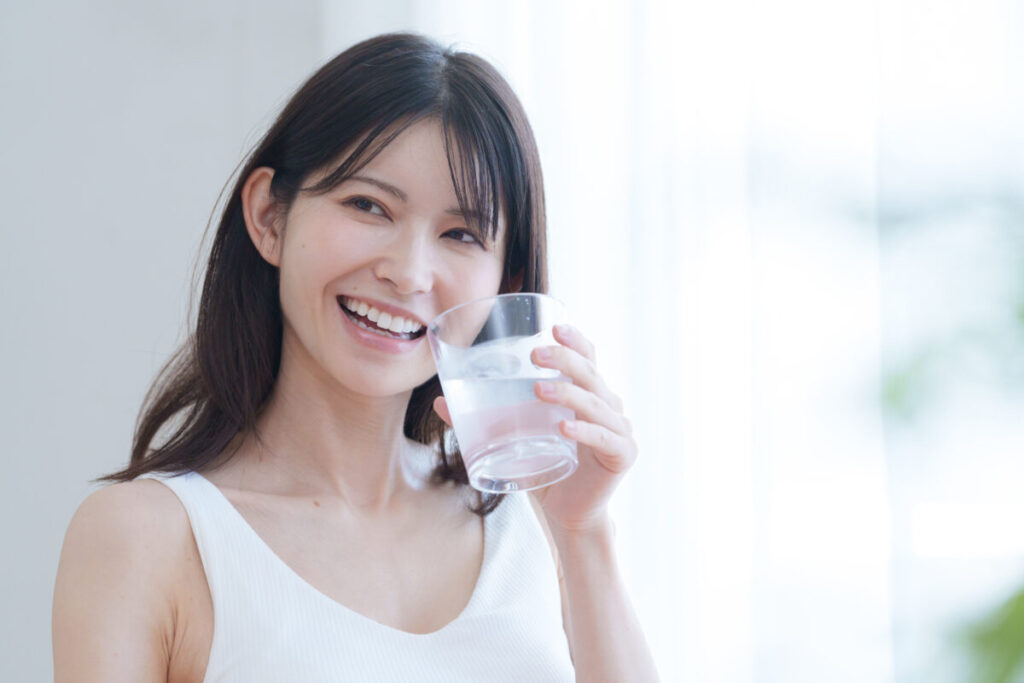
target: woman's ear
262 215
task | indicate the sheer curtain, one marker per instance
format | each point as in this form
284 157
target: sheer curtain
709 167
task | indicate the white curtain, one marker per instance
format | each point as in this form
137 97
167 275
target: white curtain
714 173
699 158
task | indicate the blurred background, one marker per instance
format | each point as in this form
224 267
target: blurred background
794 229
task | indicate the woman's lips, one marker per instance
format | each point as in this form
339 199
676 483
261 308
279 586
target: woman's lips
376 315
379 339
374 326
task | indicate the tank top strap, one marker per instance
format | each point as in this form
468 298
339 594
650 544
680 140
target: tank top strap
516 553
232 557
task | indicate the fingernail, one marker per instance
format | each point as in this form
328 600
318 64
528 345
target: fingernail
562 330
546 388
543 353
570 428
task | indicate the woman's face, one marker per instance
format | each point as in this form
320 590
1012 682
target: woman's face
392 238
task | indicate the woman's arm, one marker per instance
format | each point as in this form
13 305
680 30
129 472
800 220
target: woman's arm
605 636
113 617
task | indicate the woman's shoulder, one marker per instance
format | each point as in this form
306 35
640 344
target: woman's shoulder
129 515
118 580
133 534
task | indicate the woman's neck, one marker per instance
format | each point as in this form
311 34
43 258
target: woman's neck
316 437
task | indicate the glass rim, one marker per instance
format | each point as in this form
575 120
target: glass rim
433 325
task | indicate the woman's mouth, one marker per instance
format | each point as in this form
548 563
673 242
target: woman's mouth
384 324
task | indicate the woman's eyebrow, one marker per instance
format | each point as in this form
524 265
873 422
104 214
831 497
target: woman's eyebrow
387 187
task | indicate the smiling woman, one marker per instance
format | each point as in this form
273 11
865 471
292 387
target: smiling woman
320 156
292 472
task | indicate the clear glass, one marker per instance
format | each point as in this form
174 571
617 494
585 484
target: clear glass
509 439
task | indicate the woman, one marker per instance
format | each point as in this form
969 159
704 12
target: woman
301 516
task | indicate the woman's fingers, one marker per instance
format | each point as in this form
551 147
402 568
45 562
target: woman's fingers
574 339
615 452
586 404
441 408
577 367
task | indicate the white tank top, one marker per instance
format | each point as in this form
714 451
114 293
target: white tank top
271 625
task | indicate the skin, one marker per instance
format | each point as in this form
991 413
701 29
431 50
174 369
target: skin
333 487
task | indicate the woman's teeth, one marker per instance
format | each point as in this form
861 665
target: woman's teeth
397 325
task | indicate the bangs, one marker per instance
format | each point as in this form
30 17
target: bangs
370 145
478 157
489 148
476 166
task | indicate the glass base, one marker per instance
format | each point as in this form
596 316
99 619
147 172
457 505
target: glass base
522 464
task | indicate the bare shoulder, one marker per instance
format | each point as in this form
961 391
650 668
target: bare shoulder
136 526
113 604
131 506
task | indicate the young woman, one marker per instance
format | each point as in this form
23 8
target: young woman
293 510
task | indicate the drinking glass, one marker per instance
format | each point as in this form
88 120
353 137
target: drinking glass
509 439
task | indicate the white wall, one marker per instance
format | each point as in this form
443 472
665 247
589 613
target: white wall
119 123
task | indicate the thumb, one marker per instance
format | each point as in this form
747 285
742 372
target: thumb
441 408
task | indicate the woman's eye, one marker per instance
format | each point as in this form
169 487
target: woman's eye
464 236
365 205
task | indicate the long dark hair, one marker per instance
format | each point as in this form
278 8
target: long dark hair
215 386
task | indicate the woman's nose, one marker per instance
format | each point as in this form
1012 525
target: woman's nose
408 264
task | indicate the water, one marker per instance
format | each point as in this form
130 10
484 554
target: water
509 439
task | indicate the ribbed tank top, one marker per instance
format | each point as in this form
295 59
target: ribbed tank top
271 625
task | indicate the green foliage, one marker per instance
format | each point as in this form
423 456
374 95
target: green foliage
989 351
996 643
